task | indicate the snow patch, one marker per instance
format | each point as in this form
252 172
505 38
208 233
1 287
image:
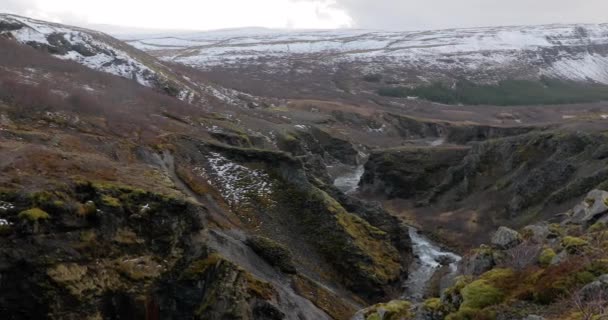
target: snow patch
238 184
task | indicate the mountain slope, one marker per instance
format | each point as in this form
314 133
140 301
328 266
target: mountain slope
97 51
574 52
356 64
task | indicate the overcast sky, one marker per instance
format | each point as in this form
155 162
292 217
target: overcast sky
319 14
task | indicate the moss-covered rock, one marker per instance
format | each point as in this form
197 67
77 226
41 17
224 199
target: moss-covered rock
275 253
215 288
393 310
472 314
110 201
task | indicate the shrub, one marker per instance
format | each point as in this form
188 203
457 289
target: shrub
110 201
433 304
508 92
480 294
573 244
372 78
597 227
546 256
394 310
34 214
471 314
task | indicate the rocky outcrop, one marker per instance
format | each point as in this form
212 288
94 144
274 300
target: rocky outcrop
409 171
593 209
452 132
509 179
304 218
89 261
315 141
275 253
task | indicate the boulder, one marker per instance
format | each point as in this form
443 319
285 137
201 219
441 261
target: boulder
537 232
597 289
559 258
506 238
593 208
480 261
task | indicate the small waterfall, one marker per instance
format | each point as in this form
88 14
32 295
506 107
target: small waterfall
348 182
429 258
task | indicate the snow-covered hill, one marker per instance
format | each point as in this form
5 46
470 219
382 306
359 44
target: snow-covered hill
94 50
573 52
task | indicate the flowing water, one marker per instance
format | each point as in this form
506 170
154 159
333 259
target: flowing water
429 258
348 182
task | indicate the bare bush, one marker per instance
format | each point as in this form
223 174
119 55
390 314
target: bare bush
521 256
594 306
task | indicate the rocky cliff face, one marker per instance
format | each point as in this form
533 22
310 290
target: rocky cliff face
525 176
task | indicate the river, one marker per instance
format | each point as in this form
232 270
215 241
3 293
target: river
429 257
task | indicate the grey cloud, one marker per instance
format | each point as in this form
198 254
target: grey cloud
433 14
17 6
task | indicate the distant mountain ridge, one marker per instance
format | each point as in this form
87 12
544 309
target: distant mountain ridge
570 52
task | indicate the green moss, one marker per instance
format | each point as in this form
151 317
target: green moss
546 256
433 304
556 230
597 227
393 310
573 244
34 214
259 288
110 201
273 252
598 267
198 267
480 294
472 314
372 241
50 200
500 277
